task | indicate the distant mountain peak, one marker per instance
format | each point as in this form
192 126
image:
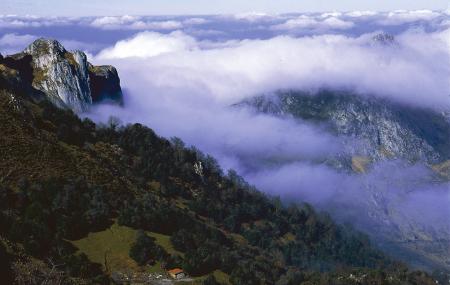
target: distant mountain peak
386 129
384 39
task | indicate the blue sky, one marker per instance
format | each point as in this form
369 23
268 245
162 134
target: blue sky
171 7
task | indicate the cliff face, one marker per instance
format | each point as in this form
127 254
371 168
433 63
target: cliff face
385 129
61 75
105 84
66 78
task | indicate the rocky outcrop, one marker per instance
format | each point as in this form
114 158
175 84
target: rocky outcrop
22 64
384 39
65 78
443 169
105 84
61 75
384 129
9 77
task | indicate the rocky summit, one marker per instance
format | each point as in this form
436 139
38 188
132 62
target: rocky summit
384 129
66 78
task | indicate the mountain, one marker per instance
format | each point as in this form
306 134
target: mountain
376 130
385 129
65 78
83 203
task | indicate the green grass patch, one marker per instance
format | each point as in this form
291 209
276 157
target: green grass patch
181 203
220 276
164 241
113 245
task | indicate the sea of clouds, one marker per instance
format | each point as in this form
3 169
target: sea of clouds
181 75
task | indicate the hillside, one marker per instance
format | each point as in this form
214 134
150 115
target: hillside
67 185
387 129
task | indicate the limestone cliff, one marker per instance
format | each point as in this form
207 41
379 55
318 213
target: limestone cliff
105 84
384 129
66 78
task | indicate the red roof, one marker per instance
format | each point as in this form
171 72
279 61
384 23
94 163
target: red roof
175 271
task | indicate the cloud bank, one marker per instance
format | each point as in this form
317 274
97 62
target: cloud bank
96 33
305 22
414 70
149 44
140 23
11 43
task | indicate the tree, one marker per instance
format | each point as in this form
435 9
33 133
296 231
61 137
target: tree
210 280
140 251
144 250
5 265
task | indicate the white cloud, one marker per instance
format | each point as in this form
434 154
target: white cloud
156 25
80 45
149 44
135 23
307 22
105 22
253 17
144 23
445 23
13 40
204 32
331 14
360 14
405 17
12 43
411 72
195 21
336 23
13 21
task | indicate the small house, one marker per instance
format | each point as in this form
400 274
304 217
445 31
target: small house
177 273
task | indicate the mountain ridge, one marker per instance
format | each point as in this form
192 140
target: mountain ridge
66 78
386 132
392 130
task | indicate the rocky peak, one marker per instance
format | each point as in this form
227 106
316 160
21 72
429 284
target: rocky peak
386 129
384 39
61 75
65 78
45 47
